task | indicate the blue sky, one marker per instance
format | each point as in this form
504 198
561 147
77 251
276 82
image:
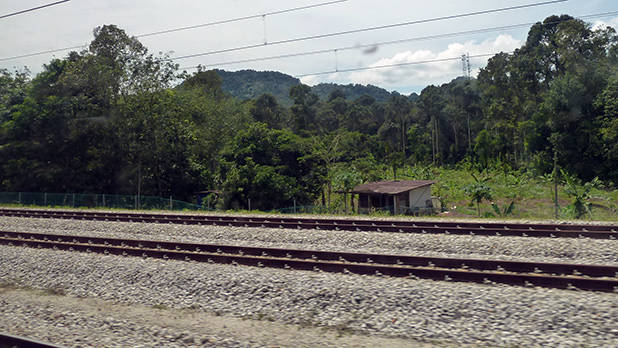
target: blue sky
72 23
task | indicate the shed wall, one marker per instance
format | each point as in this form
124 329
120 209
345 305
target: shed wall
419 196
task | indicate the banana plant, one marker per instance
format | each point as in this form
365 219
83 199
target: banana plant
478 191
580 194
506 209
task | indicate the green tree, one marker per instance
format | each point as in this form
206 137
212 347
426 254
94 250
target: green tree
304 108
607 123
13 90
328 150
209 82
431 104
484 149
345 181
270 168
478 191
266 109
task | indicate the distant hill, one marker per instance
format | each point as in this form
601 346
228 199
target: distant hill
352 91
250 84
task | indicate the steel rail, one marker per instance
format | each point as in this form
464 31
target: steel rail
555 275
427 227
11 341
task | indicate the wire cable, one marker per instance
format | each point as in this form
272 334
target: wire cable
42 52
33 9
241 18
395 65
321 36
392 42
182 28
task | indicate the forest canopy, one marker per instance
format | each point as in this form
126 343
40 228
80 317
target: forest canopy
115 118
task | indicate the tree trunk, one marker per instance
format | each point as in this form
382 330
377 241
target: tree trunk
438 154
139 182
394 170
433 142
469 140
403 144
330 188
352 202
456 138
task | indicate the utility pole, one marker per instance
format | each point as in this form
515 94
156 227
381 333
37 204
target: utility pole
556 182
555 139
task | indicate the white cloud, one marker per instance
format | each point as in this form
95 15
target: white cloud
424 74
602 24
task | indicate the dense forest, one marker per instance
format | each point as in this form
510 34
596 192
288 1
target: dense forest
251 84
116 119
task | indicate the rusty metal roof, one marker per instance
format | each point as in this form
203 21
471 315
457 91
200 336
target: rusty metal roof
391 187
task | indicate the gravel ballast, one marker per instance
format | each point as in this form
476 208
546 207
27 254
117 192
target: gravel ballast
86 322
417 309
569 250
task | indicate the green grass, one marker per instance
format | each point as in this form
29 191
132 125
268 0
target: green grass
533 195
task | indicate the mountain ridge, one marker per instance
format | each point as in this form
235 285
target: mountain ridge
250 84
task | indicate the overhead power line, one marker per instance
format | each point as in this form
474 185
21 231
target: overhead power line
42 52
309 37
321 36
262 15
240 18
392 42
395 65
33 9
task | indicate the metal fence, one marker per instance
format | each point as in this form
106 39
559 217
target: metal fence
320 209
88 200
388 210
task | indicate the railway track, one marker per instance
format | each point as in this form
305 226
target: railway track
552 275
12 341
425 227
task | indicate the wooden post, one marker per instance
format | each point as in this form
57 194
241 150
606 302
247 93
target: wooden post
556 182
352 202
394 205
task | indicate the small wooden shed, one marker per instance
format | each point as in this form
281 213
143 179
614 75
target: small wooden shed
399 196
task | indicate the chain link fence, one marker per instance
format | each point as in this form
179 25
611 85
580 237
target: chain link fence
320 209
86 200
383 211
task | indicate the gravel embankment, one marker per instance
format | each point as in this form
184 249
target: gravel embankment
455 313
569 250
87 322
